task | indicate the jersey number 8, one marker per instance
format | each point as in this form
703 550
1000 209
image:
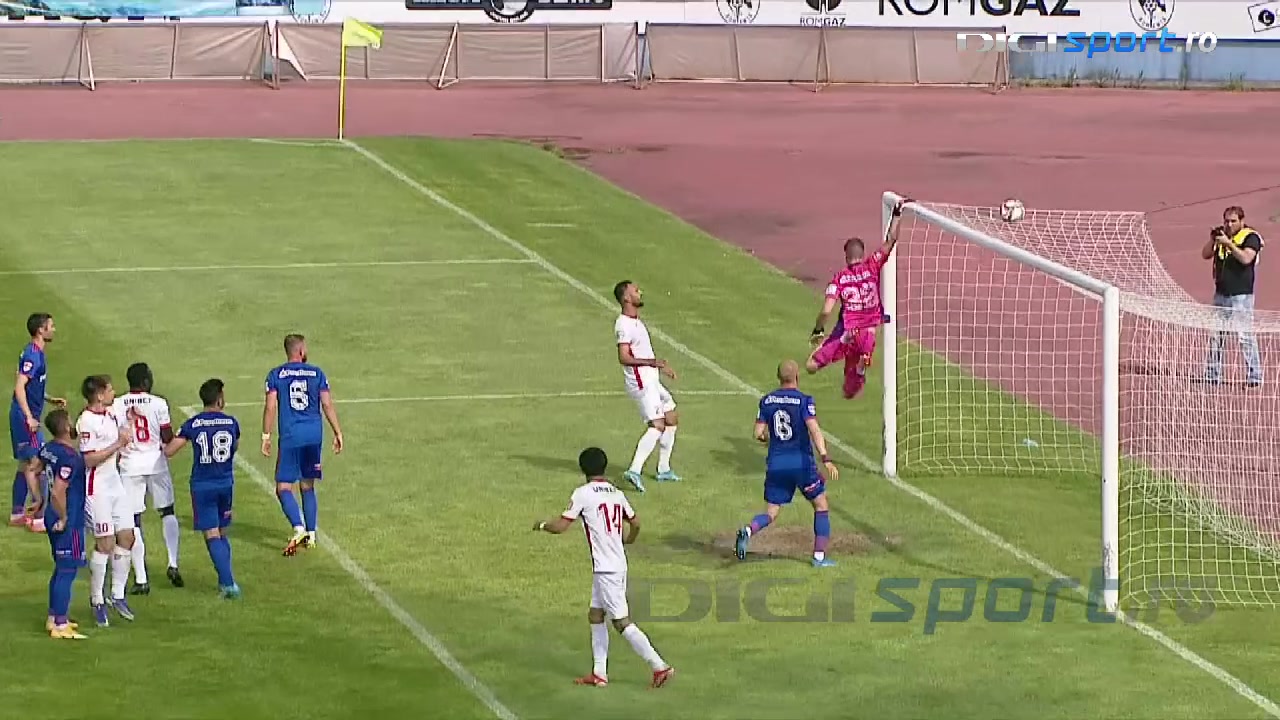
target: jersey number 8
782 425
141 430
298 398
215 449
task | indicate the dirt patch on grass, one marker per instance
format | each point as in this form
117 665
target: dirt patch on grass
795 543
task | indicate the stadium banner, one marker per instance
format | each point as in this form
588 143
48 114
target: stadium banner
1228 20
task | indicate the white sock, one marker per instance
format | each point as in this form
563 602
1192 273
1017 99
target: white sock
171 535
139 558
121 561
600 649
644 449
97 576
640 643
666 444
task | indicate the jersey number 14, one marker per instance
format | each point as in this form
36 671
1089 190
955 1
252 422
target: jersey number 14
612 520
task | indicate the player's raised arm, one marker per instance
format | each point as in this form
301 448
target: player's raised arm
269 410
891 237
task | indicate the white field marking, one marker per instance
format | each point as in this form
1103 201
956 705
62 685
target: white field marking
551 225
282 266
361 576
1237 685
297 143
511 396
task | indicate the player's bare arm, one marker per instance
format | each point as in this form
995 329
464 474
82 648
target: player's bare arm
627 359
761 432
633 529
269 410
58 497
331 415
173 446
20 394
556 526
891 238
94 458
820 325
820 446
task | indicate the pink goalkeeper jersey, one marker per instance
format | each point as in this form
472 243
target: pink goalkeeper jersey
857 287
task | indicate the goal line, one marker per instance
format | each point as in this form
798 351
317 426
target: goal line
1059 344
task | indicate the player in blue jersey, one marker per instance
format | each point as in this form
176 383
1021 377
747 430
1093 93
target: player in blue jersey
214 437
788 422
64 518
305 390
25 409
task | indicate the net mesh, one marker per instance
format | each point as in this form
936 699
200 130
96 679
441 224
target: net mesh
1002 375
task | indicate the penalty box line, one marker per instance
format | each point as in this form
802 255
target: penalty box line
410 623
481 397
1238 686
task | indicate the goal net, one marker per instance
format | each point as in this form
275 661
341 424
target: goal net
1058 349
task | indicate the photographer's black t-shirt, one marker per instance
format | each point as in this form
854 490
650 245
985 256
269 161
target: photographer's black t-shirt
1232 278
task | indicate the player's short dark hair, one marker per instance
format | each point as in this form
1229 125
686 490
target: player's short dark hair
292 341
58 422
139 376
210 391
593 462
853 242
1234 210
620 289
93 385
36 321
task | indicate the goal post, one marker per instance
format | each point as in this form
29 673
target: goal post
944 397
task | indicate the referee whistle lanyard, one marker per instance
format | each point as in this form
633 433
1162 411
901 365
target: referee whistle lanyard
1237 240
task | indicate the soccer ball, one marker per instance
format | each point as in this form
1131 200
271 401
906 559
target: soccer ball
1012 210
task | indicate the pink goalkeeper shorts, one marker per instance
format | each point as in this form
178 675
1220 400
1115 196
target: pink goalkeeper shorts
862 342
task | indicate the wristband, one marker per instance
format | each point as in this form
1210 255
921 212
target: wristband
542 525
826 459
266 436
818 330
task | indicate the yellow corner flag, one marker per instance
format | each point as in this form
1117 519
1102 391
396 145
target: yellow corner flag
354 34
358 34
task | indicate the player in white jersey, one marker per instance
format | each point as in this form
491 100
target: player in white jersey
604 509
107 511
145 469
641 372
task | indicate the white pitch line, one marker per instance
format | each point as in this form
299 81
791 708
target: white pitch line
1237 685
510 396
361 576
551 225
281 266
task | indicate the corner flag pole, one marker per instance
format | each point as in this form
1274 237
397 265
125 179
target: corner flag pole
354 34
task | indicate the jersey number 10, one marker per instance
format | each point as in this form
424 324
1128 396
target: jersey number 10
612 521
216 448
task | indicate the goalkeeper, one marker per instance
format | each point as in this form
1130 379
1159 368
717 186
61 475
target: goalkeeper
857 287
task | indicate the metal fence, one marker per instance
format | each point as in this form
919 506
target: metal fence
273 53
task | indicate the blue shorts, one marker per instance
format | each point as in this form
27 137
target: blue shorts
780 485
298 463
211 508
67 546
26 444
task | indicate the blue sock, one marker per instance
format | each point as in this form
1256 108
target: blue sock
821 531
19 493
60 593
289 504
759 523
220 554
310 508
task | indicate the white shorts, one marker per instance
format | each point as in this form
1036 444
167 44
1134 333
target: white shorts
160 484
609 593
654 402
108 513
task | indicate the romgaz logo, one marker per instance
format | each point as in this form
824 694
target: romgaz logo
823 14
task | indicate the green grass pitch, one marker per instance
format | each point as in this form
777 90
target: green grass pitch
468 379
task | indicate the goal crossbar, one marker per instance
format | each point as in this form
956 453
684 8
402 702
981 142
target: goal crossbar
1108 470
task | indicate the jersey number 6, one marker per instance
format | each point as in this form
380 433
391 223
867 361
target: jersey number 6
782 425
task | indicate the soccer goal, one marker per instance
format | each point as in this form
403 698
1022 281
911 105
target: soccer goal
1059 350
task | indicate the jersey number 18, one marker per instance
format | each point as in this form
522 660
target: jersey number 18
216 448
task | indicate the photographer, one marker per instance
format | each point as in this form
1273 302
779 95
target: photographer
1234 248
